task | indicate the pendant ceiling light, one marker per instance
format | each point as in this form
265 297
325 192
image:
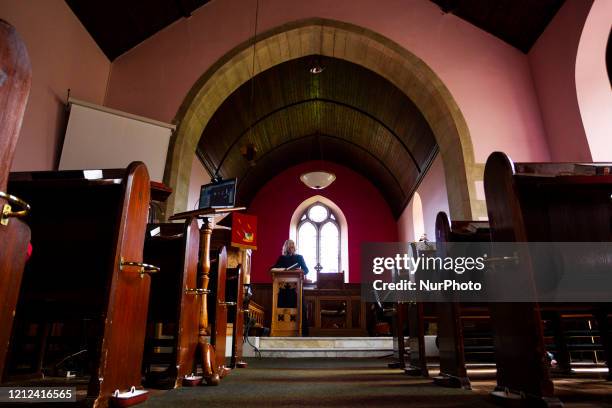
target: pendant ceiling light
318 180
316 65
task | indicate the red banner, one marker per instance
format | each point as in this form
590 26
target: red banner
244 231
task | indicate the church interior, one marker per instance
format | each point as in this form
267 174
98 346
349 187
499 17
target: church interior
189 189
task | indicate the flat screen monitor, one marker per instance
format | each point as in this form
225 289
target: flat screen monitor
221 194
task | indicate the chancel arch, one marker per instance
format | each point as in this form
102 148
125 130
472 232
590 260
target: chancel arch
353 44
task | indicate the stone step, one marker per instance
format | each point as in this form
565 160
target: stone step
325 346
301 347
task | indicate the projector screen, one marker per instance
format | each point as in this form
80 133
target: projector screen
101 138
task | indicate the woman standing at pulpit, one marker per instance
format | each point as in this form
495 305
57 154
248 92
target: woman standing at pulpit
289 259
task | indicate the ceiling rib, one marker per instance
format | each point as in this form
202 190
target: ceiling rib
369 153
366 124
266 116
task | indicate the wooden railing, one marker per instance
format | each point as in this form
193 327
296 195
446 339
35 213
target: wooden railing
257 313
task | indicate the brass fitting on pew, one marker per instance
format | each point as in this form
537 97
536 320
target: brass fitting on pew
226 303
196 292
142 267
7 209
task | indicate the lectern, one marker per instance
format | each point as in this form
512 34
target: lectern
287 302
211 354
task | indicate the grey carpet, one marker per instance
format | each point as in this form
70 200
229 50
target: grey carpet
318 383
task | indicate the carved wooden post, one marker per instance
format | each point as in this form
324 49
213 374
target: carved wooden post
206 233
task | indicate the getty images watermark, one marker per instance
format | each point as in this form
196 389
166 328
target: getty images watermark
404 264
487 272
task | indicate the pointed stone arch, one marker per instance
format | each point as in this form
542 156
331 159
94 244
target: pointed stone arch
340 40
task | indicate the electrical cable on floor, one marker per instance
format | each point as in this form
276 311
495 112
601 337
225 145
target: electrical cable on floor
251 323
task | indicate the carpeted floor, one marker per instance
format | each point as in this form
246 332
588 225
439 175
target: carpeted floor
342 382
319 383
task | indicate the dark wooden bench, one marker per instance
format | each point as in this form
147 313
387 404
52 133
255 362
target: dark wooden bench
237 295
174 303
235 289
541 202
218 310
418 314
85 275
454 339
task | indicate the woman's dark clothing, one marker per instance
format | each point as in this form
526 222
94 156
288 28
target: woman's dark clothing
285 261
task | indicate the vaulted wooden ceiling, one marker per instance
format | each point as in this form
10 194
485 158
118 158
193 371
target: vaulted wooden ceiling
346 114
119 25
517 22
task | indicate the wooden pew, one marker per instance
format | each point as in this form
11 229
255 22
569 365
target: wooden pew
539 202
400 323
86 271
218 309
558 315
212 327
256 314
235 290
174 302
398 312
417 364
16 75
452 315
417 314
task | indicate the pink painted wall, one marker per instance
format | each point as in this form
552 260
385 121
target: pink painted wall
405 224
490 80
198 177
592 82
369 220
434 199
63 56
553 63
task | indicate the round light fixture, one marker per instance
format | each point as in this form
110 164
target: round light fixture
316 69
318 180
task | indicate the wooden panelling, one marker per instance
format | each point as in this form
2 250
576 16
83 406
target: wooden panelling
262 295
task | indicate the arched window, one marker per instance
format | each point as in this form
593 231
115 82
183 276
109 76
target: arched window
318 239
418 221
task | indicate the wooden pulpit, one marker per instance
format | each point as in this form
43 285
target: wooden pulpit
287 302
